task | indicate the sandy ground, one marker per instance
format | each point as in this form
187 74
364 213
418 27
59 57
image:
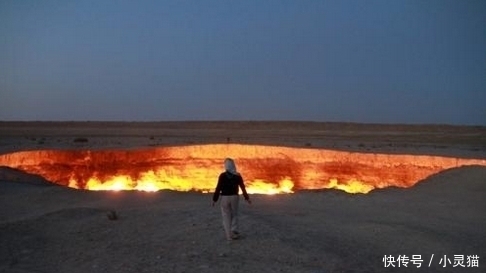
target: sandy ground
45 228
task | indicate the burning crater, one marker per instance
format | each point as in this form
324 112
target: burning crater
265 169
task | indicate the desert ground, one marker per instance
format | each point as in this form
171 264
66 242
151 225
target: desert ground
49 228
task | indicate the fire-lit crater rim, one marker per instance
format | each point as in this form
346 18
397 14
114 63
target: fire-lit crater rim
265 169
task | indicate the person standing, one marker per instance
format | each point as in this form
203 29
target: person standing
229 183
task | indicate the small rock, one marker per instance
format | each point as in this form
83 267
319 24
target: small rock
112 215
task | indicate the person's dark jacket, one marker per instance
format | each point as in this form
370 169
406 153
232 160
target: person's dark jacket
229 184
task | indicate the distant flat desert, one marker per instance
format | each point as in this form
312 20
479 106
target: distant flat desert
439 224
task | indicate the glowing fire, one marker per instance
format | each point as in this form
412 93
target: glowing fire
266 169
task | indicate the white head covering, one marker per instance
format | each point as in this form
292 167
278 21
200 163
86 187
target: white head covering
229 166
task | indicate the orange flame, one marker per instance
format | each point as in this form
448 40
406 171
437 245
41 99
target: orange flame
266 169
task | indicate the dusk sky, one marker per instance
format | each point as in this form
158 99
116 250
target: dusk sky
351 61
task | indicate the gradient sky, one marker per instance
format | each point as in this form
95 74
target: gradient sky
354 61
